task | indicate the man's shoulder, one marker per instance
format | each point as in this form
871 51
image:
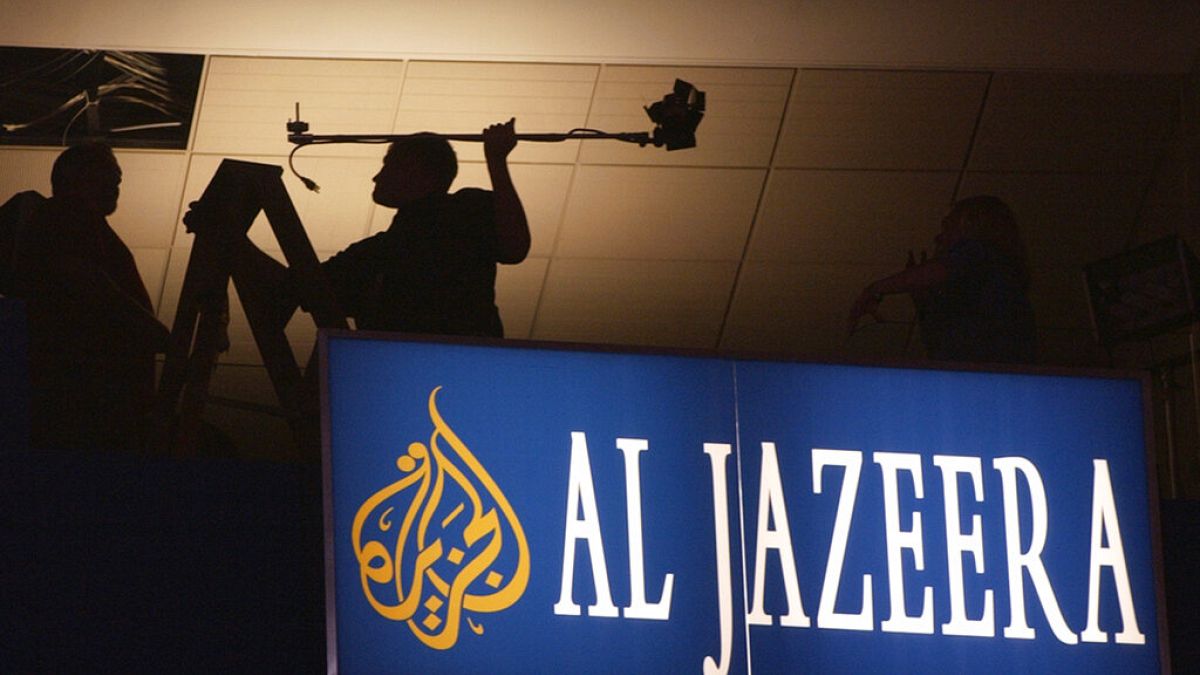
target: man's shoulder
58 215
17 213
471 192
470 198
28 199
466 207
375 245
52 225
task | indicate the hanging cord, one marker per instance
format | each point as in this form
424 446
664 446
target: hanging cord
308 182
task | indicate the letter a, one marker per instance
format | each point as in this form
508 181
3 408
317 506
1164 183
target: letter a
581 492
1105 526
771 508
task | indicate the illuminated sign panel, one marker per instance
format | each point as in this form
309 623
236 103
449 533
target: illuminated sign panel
501 509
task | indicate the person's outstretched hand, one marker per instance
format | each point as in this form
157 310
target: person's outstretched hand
500 139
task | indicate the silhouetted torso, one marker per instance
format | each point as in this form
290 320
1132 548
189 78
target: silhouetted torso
972 295
433 271
981 313
91 370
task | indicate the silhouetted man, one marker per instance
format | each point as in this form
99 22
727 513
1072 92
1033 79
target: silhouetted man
433 270
92 331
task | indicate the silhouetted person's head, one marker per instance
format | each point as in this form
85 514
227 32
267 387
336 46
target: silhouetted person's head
88 176
986 219
413 168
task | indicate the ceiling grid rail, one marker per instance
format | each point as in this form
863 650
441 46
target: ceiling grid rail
187 167
737 275
966 163
562 215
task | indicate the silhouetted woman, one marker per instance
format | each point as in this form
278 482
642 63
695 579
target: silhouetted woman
972 296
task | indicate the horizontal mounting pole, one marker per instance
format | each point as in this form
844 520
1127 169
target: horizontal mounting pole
641 138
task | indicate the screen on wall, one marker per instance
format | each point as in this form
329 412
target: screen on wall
514 509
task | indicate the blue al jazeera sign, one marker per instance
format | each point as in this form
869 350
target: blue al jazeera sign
502 509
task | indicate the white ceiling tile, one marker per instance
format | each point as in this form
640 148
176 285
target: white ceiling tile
463 98
452 76
201 169
744 109
452 123
177 261
341 212
857 217
518 288
541 187
149 205
381 218
1059 297
26 169
152 267
239 326
543 192
857 119
242 347
338 215
244 384
172 284
1066 219
659 213
150 187
301 333
248 101
242 352
668 304
1075 122
803 309
298 70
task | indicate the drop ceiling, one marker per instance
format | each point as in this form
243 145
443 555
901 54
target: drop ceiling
806 184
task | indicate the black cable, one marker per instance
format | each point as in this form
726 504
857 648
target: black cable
308 182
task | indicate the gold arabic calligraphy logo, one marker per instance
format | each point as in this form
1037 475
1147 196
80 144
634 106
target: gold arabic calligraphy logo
447 557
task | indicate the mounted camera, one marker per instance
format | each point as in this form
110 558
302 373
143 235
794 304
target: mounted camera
677 116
